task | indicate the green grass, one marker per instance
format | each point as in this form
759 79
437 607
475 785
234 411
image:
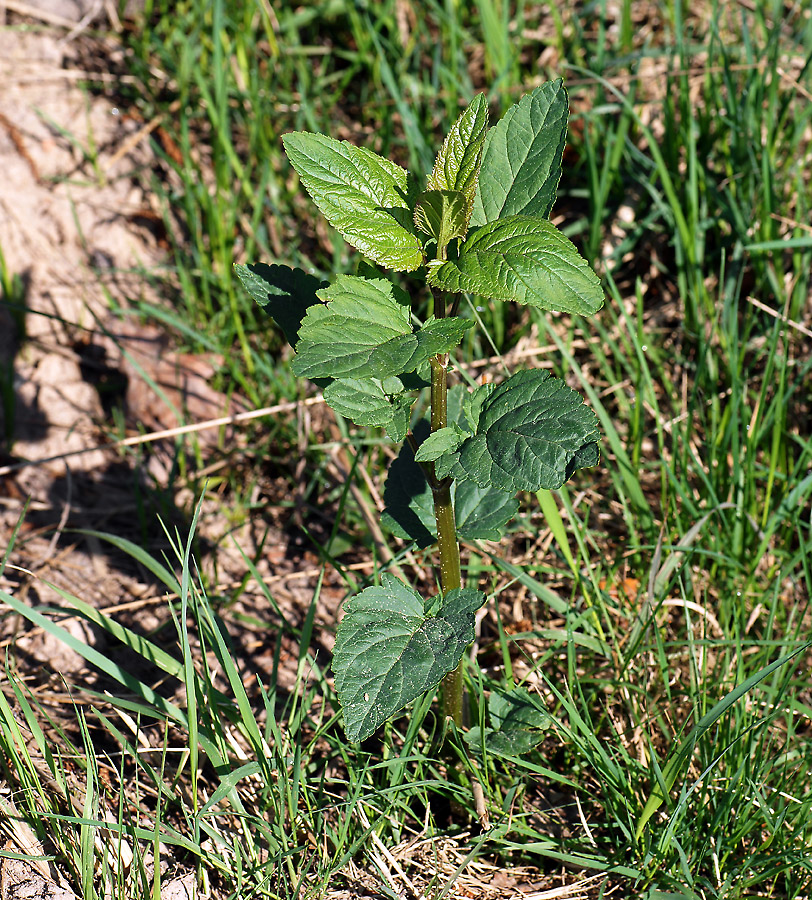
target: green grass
674 574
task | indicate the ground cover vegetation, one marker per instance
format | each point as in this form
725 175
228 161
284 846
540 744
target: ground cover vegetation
654 610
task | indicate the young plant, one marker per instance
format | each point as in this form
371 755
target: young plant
480 226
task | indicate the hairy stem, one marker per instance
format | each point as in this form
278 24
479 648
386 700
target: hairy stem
450 574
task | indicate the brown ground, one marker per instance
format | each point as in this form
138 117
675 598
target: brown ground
75 225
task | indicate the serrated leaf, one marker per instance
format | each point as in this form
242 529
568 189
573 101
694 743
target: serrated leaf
524 259
481 512
388 651
497 743
521 161
442 215
516 709
408 502
517 718
398 427
363 400
532 429
362 195
445 440
441 335
457 165
472 404
361 329
284 293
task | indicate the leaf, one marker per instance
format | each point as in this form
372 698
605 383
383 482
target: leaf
361 194
408 502
517 718
521 161
517 709
443 215
388 650
441 335
373 402
481 512
358 331
398 426
457 165
363 330
284 293
444 440
533 431
524 259
361 399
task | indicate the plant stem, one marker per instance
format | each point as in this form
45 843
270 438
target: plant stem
449 548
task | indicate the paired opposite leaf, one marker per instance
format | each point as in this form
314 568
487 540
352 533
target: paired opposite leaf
362 195
357 331
521 162
391 647
533 432
524 259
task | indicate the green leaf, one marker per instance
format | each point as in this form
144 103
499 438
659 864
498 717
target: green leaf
443 215
398 426
533 432
457 165
481 512
517 709
524 259
284 293
358 331
390 648
408 501
363 330
444 440
361 194
440 336
472 404
521 162
363 400
518 719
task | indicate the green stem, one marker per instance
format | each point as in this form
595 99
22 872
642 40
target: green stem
449 548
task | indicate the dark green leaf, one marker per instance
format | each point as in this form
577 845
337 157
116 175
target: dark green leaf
518 718
398 427
517 709
284 293
457 165
507 743
439 442
388 650
361 194
521 162
530 431
524 259
481 512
